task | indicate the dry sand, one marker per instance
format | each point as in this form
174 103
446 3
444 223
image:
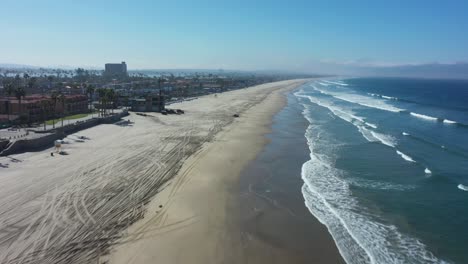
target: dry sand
107 192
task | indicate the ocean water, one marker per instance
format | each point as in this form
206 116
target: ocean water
388 168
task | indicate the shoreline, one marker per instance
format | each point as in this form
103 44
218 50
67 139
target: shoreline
150 189
197 217
196 206
272 210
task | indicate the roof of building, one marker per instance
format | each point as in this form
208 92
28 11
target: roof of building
34 98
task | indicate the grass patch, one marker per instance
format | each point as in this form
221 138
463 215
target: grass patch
52 121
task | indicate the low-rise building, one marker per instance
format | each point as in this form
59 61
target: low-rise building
150 103
34 108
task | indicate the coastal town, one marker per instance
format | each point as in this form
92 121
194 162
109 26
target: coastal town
75 187
36 102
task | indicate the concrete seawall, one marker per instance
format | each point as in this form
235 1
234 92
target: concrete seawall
47 140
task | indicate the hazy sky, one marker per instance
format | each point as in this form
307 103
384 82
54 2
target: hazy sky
254 34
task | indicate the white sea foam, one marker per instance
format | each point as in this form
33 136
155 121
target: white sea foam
359 123
427 171
384 139
463 187
366 133
389 97
346 115
383 96
362 100
324 84
446 121
337 83
371 125
405 134
360 235
434 119
380 185
316 89
404 156
425 117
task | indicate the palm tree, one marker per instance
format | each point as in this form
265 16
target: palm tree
19 93
62 99
50 78
45 107
90 91
32 82
102 99
9 90
160 80
54 97
221 83
110 95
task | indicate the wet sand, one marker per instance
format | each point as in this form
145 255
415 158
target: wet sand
209 215
272 215
154 189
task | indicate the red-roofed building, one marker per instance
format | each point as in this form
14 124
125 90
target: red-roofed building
34 108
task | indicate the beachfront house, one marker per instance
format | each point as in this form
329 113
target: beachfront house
35 108
150 103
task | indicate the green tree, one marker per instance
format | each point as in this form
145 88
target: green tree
90 91
102 94
62 100
54 97
110 95
45 107
50 78
160 81
19 94
9 89
32 82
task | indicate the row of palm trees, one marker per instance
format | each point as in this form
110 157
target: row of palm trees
56 97
16 88
106 97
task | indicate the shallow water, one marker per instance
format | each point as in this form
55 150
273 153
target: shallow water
388 168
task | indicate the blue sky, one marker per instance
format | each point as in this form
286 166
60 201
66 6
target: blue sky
250 35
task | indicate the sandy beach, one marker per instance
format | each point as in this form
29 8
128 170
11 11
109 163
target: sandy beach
151 189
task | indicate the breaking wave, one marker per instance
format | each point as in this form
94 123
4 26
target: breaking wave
404 156
359 122
425 117
360 235
337 83
383 96
361 100
436 119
